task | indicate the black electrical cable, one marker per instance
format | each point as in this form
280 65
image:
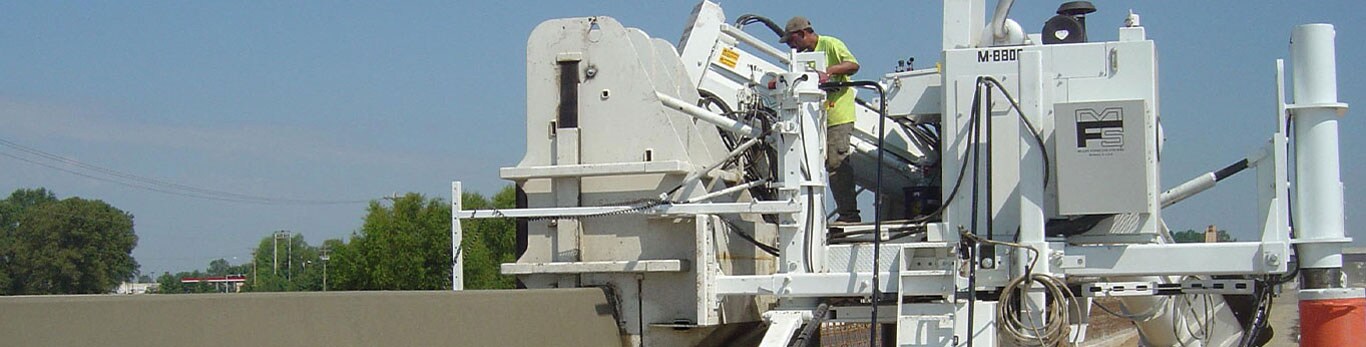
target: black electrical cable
810 203
810 223
1043 149
1258 323
766 248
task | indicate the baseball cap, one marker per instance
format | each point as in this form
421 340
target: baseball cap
795 24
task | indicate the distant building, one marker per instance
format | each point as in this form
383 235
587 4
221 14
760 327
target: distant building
229 283
128 288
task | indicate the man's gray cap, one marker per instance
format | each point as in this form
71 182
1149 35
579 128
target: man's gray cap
795 24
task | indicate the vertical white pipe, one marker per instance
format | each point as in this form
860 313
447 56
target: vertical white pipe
1318 196
457 238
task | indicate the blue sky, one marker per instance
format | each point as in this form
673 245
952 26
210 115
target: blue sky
354 101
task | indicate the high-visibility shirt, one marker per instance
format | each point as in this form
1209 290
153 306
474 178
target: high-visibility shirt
839 105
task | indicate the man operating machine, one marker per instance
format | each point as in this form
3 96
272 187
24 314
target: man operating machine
1013 182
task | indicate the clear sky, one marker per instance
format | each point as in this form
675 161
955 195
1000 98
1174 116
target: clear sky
345 101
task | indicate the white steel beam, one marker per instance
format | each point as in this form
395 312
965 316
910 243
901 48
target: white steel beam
1221 258
589 170
633 266
759 207
835 284
755 42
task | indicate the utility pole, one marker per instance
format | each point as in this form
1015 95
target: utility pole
324 255
289 253
275 250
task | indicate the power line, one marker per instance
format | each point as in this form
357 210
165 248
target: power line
100 173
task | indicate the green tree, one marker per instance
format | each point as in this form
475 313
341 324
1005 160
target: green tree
407 246
396 247
1193 236
11 209
288 264
71 246
170 284
488 243
219 267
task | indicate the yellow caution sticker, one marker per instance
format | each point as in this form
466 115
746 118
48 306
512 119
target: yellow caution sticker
729 57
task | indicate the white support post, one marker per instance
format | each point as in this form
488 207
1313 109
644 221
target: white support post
567 237
1319 221
963 22
800 140
457 237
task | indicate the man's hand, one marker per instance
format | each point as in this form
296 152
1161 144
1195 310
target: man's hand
824 77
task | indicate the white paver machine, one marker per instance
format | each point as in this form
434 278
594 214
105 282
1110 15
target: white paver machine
1013 182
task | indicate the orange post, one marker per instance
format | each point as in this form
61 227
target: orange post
1332 317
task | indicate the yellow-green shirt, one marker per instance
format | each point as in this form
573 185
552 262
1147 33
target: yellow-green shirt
839 105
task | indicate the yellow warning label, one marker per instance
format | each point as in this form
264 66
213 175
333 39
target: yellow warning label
729 57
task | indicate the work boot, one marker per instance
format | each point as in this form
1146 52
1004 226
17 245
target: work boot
845 219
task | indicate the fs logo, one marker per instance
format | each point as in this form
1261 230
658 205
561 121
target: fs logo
1104 128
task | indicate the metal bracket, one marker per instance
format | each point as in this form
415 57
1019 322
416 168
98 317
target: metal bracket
1225 287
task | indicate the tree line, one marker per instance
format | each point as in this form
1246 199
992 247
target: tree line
404 243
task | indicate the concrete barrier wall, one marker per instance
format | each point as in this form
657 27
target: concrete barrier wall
554 317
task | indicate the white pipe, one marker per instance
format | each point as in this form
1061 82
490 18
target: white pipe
998 20
1188 189
729 190
1318 193
703 114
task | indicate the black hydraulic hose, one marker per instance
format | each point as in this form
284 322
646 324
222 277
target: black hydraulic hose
990 252
751 18
976 180
877 192
1230 170
804 338
760 245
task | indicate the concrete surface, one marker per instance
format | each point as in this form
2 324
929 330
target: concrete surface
1285 318
555 317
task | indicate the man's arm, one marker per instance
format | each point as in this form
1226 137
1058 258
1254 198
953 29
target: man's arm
847 68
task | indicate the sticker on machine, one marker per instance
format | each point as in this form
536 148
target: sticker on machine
1100 131
729 57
